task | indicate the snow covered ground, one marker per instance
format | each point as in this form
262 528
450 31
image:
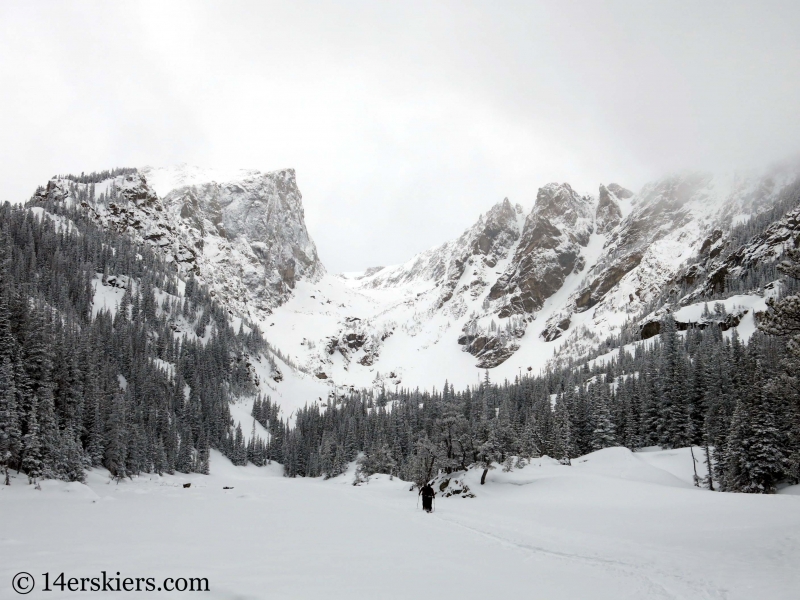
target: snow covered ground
427 353
614 525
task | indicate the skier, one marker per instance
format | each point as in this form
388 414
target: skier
427 494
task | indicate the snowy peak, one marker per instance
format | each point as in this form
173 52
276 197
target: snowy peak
609 214
495 233
262 217
488 240
676 236
560 205
165 179
619 191
660 209
241 232
560 223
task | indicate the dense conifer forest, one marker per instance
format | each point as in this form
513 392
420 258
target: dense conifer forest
739 402
147 388
124 391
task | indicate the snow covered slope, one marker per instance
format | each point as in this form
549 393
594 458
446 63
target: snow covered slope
515 290
667 223
720 262
615 525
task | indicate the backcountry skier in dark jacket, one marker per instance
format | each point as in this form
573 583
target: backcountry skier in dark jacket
427 497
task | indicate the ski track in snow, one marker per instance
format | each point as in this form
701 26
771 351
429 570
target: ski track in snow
627 569
616 525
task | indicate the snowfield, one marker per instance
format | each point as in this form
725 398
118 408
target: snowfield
427 354
614 525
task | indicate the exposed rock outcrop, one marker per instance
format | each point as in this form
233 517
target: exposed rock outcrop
554 232
245 237
130 206
651 325
357 340
260 222
768 246
492 345
660 210
553 331
609 213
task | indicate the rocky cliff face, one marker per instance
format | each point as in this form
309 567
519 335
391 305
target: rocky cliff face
665 227
500 270
255 229
126 204
489 241
721 261
245 237
609 214
555 231
681 220
496 276
661 208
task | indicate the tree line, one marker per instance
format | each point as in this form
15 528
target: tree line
738 401
144 386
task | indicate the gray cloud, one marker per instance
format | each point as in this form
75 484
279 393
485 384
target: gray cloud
404 120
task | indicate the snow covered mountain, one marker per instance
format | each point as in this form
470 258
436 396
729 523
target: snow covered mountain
513 292
554 234
722 260
158 392
516 291
242 232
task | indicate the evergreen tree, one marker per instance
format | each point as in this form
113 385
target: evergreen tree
563 445
10 434
603 435
32 446
116 442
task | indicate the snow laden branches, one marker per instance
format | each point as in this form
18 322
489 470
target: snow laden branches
702 387
783 320
107 357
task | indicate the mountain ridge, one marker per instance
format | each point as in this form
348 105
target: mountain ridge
245 237
512 292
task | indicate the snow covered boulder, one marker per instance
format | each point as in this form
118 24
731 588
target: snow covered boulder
453 486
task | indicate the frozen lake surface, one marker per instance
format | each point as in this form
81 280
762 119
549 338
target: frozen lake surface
615 525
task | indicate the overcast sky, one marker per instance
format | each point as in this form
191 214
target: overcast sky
404 120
